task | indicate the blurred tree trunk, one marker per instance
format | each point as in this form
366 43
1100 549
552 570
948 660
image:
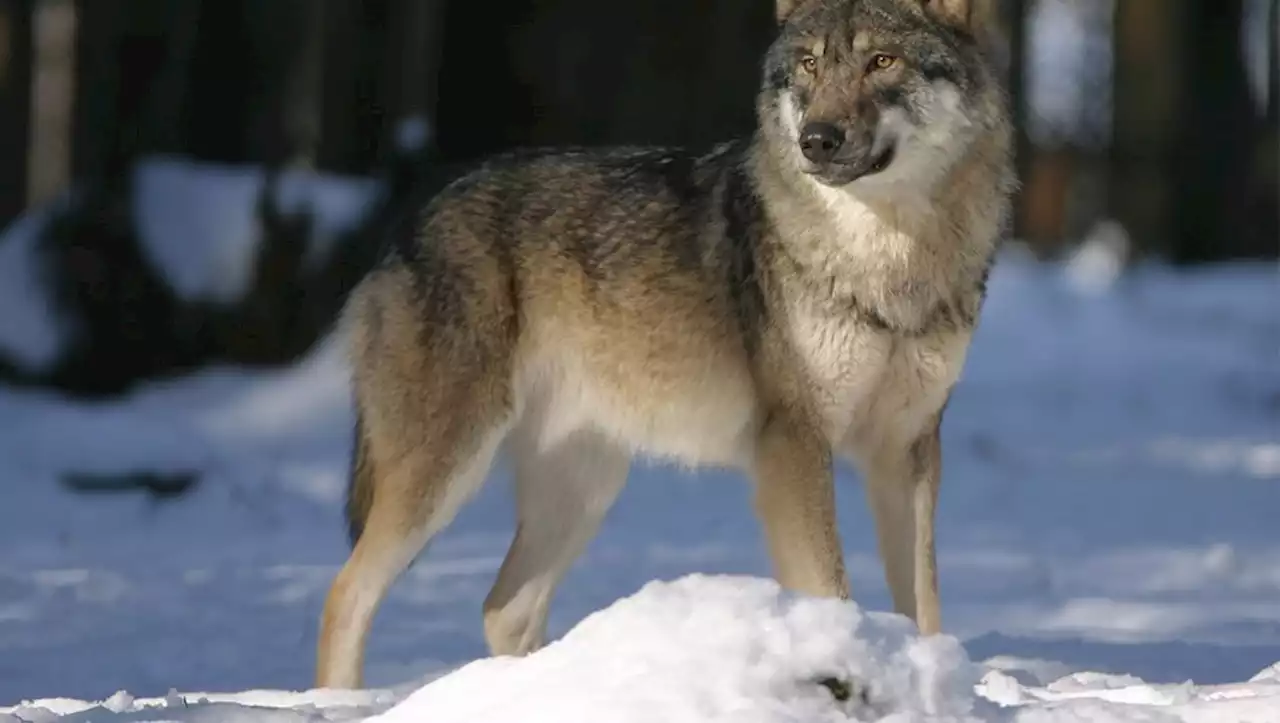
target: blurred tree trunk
49 159
1273 65
16 53
410 68
341 47
257 81
352 111
1268 154
289 47
286 128
485 99
1219 132
223 77
94 125
1146 100
1185 130
133 63
177 23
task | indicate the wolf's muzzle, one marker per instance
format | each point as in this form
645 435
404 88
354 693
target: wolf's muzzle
819 142
836 160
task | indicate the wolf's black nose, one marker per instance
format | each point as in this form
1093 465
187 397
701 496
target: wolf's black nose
820 141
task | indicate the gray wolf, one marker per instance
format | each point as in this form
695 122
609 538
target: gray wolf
774 303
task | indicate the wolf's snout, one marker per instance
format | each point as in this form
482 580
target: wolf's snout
819 142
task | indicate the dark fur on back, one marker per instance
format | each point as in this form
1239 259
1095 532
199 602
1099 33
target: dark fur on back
579 199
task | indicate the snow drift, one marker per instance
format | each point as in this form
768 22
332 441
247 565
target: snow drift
714 649
708 649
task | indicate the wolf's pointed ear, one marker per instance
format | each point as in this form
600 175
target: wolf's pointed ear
786 7
956 13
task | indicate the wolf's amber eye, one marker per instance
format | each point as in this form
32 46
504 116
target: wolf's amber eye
809 63
882 62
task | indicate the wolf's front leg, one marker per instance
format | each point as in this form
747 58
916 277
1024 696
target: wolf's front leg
902 483
795 499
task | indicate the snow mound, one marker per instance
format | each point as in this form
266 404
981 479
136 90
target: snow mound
711 649
707 648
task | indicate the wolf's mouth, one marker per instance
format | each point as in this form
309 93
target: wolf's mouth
882 161
839 173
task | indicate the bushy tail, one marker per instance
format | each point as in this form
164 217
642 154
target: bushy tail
359 484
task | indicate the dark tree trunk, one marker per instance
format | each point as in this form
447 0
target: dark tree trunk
410 67
484 105
1185 131
95 127
129 89
166 104
1219 132
352 110
289 46
1146 97
1273 65
224 76
1267 160
49 157
16 53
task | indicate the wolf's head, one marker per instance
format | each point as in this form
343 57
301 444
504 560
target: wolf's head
877 93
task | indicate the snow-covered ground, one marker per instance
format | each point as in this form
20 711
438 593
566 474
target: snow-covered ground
719 648
1108 531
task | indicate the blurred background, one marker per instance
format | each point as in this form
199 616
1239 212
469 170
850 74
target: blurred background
189 188
200 180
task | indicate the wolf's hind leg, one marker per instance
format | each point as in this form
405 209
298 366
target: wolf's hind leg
431 374
416 498
562 495
428 441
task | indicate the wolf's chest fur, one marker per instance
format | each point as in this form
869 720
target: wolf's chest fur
869 384
878 316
